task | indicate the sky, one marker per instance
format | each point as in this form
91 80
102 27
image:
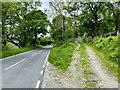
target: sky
45 5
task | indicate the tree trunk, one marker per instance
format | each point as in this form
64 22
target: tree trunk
63 27
117 23
96 22
3 32
35 35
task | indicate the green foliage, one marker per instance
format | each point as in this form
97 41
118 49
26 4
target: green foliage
60 34
96 18
109 46
46 41
22 22
84 37
61 56
38 22
56 30
69 33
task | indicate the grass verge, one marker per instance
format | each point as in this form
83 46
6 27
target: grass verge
61 57
86 68
6 53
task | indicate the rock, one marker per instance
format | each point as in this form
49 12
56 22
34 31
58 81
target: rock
100 84
72 57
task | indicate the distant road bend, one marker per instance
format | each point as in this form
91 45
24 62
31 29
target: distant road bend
25 70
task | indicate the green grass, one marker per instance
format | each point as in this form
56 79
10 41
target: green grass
61 57
6 53
85 65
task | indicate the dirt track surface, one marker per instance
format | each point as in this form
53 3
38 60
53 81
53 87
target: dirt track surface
53 78
104 78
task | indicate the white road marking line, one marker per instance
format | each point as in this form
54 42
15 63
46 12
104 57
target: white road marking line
1 59
40 51
45 61
38 84
43 65
37 52
47 57
46 70
18 54
47 64
34 54
15 64
41 72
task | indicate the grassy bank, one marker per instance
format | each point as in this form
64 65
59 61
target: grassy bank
6 53
86 68
61 57
107 50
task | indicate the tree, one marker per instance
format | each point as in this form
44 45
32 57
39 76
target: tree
16 24
114 8
95 16
37 23
8 10
56 29
58 7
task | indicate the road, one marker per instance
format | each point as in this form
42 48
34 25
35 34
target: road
25 70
